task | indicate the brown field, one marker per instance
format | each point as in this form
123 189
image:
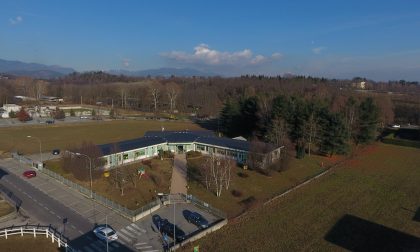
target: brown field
256 187
157 180
65 135
17 243
378 191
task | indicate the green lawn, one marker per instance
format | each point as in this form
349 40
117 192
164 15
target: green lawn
64 135
256 187
380 186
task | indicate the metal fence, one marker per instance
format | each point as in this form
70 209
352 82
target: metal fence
205 206
128 213
35 230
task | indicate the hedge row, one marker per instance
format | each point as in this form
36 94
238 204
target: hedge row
402 142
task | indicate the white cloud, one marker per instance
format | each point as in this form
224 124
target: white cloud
16 20
318 50
276 55
204 55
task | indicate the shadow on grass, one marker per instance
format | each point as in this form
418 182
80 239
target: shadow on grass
417 215
356 234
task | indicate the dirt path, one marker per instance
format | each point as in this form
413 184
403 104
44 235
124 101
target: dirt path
179 175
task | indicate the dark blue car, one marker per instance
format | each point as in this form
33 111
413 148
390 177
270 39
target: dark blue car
167 228
196 219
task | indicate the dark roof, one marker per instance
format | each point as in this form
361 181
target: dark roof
225 142
130 144
180 136
159 137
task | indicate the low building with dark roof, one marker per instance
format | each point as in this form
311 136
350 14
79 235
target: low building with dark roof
175 141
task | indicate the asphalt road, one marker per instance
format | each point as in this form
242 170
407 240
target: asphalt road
51 212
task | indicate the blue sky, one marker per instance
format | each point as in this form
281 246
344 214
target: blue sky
340 39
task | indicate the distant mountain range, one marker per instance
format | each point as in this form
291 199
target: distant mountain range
34 70
163 72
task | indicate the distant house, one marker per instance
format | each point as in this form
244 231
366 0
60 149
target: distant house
7 108
51 99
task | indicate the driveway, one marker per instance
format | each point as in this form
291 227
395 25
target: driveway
179 175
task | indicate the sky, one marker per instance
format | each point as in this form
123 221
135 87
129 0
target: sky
379 40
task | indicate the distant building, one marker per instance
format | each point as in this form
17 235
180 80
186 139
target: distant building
7 108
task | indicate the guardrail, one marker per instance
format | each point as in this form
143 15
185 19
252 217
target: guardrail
48 231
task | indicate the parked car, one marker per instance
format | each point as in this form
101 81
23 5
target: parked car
167 228
56 152
29 174
196 219
105 232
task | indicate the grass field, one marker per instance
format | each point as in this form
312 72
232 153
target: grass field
65 135
158 180
374 196
256 187
17 243
5 207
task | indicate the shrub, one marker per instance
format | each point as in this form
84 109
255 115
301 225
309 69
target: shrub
147 162
23 116
236 193
193 154
248 202
265 172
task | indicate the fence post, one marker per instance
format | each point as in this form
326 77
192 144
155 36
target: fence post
34 233
52 237
21 231
46 232
5 233
59 242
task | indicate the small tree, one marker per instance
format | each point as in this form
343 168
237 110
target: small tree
12 114
23 116
72 113
59 114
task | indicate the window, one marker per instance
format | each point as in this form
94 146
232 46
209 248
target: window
136 154
142 152
125 156
220 151
200 147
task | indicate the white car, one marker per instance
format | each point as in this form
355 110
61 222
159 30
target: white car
396 126
105 233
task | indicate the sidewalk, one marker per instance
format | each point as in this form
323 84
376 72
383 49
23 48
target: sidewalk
179 175
95 212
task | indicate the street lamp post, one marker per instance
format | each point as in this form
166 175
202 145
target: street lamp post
40 148
90 171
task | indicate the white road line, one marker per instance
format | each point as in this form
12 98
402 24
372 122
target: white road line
29 196
86 248
80 232
124 237
131 229
140 243
138 228
151 250
144 247
59 217
73 226
46 208
52 212
128 233
41 204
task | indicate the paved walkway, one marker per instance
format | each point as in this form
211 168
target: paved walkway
179 175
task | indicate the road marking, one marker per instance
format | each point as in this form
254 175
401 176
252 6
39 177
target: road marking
59 217
80 232
140 243
124 237
40 204
46 208
29 196
73 226
131 229
144 247
151 250
35 200
52 212
138 228
128 233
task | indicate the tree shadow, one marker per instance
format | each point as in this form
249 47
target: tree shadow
356 234
89 242
416 216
